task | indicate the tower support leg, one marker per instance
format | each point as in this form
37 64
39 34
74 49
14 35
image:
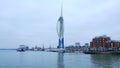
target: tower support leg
62 42
59 44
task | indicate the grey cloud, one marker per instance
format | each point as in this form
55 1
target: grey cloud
33 22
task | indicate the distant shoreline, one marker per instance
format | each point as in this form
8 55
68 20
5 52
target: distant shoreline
7 49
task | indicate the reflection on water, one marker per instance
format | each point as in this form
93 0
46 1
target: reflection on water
13 59
60 60
105 61
21 60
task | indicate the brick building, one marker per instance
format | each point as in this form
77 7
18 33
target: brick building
104 43
112 44
99 41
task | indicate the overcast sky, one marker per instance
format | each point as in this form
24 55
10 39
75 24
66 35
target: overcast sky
33 22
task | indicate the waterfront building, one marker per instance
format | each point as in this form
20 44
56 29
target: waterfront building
113 45
77 44
36 48
99 41
104 43
85 47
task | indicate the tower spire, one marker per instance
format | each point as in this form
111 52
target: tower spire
62 8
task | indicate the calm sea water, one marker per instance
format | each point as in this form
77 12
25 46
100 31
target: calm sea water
14 59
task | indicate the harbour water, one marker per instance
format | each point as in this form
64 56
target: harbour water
37 59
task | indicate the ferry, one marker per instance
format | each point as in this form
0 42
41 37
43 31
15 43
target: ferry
21 50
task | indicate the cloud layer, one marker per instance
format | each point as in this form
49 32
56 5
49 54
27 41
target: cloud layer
33 22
